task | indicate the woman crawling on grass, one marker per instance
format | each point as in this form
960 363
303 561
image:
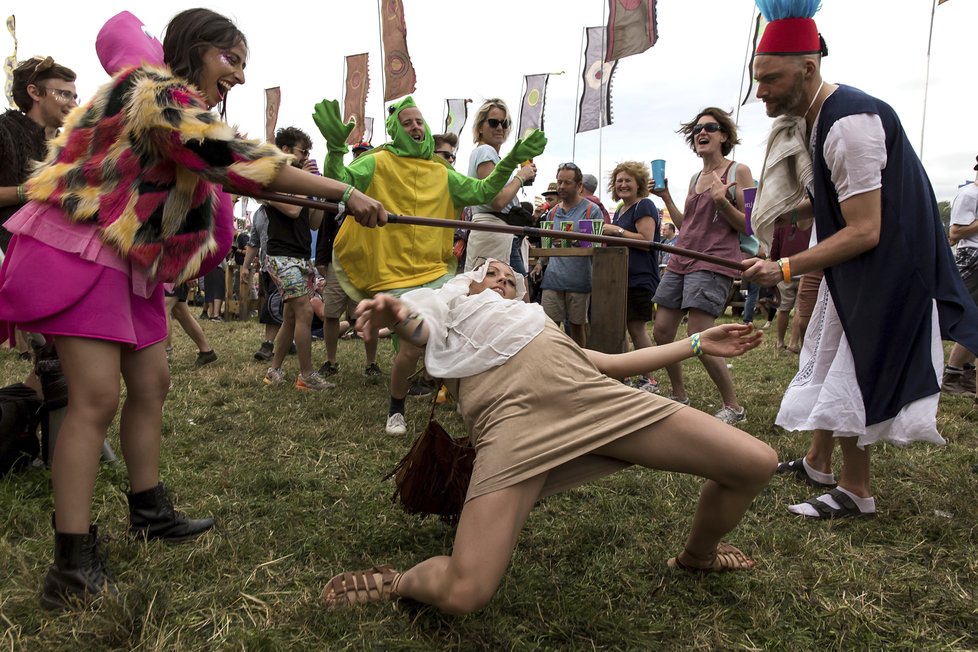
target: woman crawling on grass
546 416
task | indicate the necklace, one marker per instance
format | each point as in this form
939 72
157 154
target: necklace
820 86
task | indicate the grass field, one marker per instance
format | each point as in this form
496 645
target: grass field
294 480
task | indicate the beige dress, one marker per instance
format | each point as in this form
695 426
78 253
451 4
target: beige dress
544 410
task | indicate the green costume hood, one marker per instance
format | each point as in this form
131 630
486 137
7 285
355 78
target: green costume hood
401 143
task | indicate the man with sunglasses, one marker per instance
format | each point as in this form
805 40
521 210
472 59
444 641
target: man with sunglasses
445 146
44 93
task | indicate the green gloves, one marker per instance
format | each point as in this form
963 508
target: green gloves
331 126
523 150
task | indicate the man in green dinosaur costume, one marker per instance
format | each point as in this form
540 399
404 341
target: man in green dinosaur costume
403 176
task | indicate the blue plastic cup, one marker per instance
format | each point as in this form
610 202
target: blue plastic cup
659 174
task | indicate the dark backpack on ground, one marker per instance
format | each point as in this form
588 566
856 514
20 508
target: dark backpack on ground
20 410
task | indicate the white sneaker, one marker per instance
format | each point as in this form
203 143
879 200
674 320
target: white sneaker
731 416
396 425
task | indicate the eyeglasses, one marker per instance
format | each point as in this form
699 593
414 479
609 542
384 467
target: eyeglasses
494 123
60 94
300 152
709 127
448 156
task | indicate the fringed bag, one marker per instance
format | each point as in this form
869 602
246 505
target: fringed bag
433 478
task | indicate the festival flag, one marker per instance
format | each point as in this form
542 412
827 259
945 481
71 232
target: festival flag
399 76
759 25
595 106
273 99
10 63
368 130
531 112
940 2
355 98
632 28
456 113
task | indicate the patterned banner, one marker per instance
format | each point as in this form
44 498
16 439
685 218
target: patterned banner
10 63
355 98
399 77
273 100
759 26
456 113
595 107
368 130
531 112
632 28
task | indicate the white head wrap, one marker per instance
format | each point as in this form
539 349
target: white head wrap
471 334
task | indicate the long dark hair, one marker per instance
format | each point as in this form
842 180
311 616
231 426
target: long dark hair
191 32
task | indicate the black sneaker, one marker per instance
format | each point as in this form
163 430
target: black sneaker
422 387
372 372
205 357
329 369
265 352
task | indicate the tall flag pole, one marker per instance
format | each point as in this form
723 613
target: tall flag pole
632 28
595 105
577 109
273 100
355 97
759 23
531 110
398 70
10 63
456 114
930 38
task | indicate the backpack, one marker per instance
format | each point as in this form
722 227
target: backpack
20 410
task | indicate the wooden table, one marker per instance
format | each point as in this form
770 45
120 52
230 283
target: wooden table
609 293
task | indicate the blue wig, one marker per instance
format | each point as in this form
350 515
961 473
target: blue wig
779 9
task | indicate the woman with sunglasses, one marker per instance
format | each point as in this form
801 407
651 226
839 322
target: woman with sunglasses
130 198
710 223
491 129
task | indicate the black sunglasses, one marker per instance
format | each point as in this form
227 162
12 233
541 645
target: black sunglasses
567 166
494 123
448 156
709 127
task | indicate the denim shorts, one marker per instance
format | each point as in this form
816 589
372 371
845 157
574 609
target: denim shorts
703 291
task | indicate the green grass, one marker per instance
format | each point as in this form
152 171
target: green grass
294 480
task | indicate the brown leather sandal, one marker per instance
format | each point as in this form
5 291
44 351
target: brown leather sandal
727 558
362 587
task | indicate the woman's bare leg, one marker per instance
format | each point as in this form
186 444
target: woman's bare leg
664 331
736 467
91 368
190 326
715 367
484 541
147 377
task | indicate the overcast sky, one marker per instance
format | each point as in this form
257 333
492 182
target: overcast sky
478 50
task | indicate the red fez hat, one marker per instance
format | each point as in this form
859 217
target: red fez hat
790 36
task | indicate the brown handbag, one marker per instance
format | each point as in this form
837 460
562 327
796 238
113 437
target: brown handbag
433 478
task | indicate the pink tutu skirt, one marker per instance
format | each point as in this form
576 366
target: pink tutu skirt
57 279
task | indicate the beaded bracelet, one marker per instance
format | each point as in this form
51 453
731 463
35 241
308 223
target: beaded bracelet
346 194
694 341
785 265
22 194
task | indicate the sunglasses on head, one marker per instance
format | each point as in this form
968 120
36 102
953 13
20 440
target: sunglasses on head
494 123
709 127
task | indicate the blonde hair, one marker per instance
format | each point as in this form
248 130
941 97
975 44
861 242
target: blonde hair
483 114
637 170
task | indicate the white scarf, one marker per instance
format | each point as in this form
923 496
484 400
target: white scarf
471 334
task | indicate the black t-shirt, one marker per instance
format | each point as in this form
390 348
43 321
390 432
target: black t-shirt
324 242
239 246
287 236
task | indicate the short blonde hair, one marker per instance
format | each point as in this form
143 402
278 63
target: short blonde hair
483 114
635 169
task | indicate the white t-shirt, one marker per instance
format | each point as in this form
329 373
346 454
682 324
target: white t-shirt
964 211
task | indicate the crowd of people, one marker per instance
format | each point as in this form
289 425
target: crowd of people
122 197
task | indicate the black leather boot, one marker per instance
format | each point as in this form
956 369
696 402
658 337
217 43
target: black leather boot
151 516
78 575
